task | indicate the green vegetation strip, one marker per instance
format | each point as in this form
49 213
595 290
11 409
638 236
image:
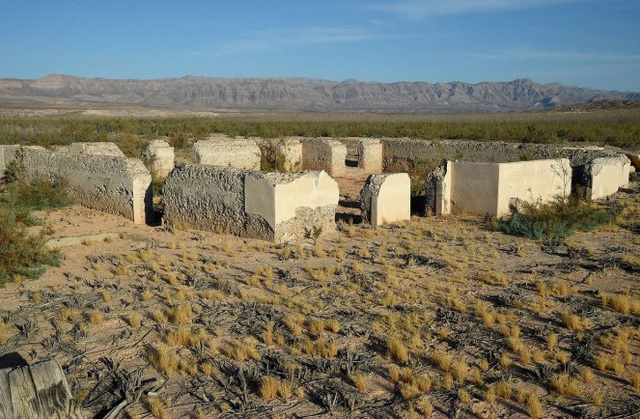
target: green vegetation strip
620 128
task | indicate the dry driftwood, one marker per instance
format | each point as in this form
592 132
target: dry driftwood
38 391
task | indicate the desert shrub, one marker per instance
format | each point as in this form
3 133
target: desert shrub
22 255
271 158
556 219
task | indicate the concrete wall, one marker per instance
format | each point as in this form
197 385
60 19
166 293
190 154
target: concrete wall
488 188
399 154
270 206
370 152
386 198
290 150
116 185
161 157
605 175
228 152
324 154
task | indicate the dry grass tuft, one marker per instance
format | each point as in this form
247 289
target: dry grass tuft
163 358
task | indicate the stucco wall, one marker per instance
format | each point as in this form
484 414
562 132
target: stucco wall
117 185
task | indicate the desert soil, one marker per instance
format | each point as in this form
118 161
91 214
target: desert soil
440 316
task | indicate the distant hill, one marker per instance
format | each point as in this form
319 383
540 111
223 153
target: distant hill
298 94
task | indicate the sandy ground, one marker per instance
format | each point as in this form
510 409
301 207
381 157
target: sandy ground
439 316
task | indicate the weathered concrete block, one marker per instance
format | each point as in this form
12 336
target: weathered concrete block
98 149
161 158
370 155
270 206
290 149
324 154
116 185
228 152
488 188
386 198
604 175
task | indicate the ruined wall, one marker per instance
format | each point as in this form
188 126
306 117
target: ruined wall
116 185
228 152
324 154
370 155
488 188
95 148
604 175
161 157
290 150
386 198
270 206
399 154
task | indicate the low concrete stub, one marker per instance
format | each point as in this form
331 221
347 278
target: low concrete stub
269 206
386 198
97 148
290 149
293 203
228 152
605 175
116 185
370 155
161 157
324 154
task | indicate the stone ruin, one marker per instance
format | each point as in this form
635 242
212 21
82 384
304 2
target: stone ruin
386 198
161 158
229 152
225 192
271 206
106 182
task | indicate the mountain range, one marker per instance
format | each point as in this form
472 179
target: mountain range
300 94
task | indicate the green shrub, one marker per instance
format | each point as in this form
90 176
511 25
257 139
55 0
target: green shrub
22 255
556 219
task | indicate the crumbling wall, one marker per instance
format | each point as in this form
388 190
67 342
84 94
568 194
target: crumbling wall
489 188
161 157
370 153
604 175
270 206
401 154
290 149
386 198
324 154
228 152
116 185
96 148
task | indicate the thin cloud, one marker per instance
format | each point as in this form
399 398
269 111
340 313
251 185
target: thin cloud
260 41
527 54
419 9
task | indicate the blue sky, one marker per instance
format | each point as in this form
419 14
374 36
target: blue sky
591 43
